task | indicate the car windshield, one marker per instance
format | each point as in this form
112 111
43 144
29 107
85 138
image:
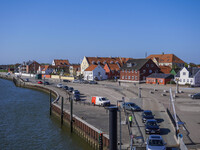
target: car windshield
132 104
103 99
152 123
148 114
156 142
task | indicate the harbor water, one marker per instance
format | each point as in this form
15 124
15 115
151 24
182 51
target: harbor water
25 123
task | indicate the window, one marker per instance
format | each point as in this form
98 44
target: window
129 77
122 77
129 71
150 71
180 80
144 71
132 77
187 80
184 73
132 71
122 70
152 65
191 80
147 65
125 77
126 70
135 70
183 80
135 77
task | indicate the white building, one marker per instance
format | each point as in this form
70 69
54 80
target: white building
94 72
188 76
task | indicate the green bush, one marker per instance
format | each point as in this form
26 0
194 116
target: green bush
171 82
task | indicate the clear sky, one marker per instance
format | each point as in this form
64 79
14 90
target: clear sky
44 30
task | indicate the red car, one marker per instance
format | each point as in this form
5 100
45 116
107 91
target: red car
40 82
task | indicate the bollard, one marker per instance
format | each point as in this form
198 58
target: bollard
113 127
50 103
61 111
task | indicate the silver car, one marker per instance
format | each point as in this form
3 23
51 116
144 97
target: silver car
155 142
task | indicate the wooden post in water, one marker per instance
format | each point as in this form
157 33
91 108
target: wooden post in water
71 113
61 111
50 103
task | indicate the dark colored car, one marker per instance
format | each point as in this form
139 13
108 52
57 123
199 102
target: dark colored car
76 92
70 89
76 97
65 87
147 114
66 80
92 82
151 127
196 96
131 106
84 82
40 82
46 83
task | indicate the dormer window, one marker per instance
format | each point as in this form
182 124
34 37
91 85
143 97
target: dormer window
104 62
93 62
111 62
98 62
129 65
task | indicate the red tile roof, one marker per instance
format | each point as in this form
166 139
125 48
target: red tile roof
114 67
166 58
91 68
165 69
104 60
60 62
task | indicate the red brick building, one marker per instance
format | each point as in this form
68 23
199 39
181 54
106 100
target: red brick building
136 70
159 78
112 70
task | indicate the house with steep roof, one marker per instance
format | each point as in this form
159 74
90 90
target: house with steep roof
29 67
159 78
188 76
136 70
60 62
94 72
170 60
112 70
45 69
74 69
87 61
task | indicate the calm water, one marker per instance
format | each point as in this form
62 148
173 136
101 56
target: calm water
25 123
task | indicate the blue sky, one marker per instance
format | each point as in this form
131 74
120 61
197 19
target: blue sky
44 30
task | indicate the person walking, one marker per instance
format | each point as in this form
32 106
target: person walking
130 120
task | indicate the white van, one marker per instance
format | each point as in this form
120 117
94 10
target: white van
97 100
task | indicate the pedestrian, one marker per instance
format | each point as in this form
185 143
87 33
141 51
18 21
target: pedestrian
130 120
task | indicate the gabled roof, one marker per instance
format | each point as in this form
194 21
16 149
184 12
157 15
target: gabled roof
165 69
113 67
91 68
104 60
192 71
61 62
166 58
161 75
135 64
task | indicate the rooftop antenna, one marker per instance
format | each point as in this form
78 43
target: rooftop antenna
145 54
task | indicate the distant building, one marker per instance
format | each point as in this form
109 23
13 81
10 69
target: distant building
45 69
136 70
87 61
112 70
188 76
60 62
170 60
74 69
94 72
159 78
29 67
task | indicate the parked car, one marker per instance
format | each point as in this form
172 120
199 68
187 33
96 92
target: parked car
195 96
76 92
40 82
76 97
8 73
46 83
59 85
26 80
65 87
66 80
155 142
70 89
151 127
97 100
76 81
84 82
92 82
131 106
147 114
